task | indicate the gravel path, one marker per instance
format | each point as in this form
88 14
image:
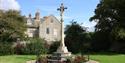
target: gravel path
92 61
31 61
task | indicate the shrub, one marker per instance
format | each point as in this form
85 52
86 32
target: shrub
79 59
41 59
6 49
53 47
34 46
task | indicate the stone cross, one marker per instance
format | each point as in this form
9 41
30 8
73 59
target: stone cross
62 50
62 9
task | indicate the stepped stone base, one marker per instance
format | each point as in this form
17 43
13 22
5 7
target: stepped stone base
63 51
60 55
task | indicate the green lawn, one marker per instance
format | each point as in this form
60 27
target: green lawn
16 58
109 58
100 58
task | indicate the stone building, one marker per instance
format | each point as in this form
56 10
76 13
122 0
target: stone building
48 27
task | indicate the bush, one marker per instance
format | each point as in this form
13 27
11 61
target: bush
79 59
53 47
41 59
6 49
35 46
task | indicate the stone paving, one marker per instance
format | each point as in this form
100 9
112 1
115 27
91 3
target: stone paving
92 61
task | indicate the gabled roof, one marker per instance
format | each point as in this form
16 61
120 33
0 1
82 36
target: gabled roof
54 18
42 20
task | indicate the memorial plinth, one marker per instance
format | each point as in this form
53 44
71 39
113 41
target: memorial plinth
62 48
62 52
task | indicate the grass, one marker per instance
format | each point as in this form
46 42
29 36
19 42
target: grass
109 58
16 58
101 58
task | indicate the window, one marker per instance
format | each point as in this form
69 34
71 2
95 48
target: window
30 31
47 30
51 20
55 32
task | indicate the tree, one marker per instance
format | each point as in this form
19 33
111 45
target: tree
100 42
12 26
74 37
109 16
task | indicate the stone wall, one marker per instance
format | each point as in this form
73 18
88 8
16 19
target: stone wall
50 29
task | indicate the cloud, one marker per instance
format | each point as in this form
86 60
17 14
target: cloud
9 4
90 26
91 29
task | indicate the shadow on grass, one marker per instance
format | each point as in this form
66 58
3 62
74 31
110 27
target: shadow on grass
101 53
28 57
105 53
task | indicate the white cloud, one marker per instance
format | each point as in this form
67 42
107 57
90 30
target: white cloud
91 29
9 4
90 26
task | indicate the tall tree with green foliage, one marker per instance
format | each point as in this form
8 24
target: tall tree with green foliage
110 18
12 25
74 37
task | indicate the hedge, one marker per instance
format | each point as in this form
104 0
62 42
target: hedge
6 49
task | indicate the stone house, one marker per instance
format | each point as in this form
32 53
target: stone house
48 27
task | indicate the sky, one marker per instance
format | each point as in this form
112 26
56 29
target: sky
78 10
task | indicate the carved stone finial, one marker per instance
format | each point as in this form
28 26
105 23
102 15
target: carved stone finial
37 15
30 15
